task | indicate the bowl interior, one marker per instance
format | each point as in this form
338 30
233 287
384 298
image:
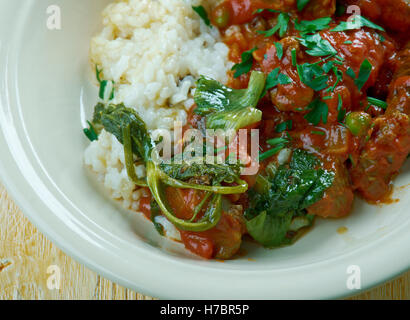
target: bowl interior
53 97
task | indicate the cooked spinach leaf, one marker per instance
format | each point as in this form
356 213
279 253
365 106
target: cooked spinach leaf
211 174
126 125
276 214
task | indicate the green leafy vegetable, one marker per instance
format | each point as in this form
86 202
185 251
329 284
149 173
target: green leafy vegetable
313 75
294 58
200 10
274 78
278 143
281 26
106 91
286 125
319 112
156 212
226 108
90 132
279 50
312 26
126 125
319 133
301 4
364 74
377 103
318 47
341 112
277 210
358 22
211 174
246 65
257 11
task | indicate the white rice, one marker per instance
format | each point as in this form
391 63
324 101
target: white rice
154 50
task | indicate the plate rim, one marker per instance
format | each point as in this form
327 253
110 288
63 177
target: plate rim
15 182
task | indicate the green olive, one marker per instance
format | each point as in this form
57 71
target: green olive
358 123
221 16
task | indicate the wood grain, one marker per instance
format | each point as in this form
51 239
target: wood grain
25 256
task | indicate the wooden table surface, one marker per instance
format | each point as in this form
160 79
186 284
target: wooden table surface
26 255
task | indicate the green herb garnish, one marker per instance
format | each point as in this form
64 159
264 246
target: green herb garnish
279 50
364 74
341 112
357 23
90 132
313 76
200 10
286 125
301 4
319 133
319 112
312 26
294 58
274 78
103 93
317 46
281 26
278 143
246 65
377 103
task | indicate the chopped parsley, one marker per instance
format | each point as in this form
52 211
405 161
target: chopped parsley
319 112
90 132
364 74
200 10
357 23
313 76
318 47
278 144
281 26
320 133
246 65
276 141
312 26
294 59
274 78
341 112
286 125
301 4
261 10
377 102
279 50
105 85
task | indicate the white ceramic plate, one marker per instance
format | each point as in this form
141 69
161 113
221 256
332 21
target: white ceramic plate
45 98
